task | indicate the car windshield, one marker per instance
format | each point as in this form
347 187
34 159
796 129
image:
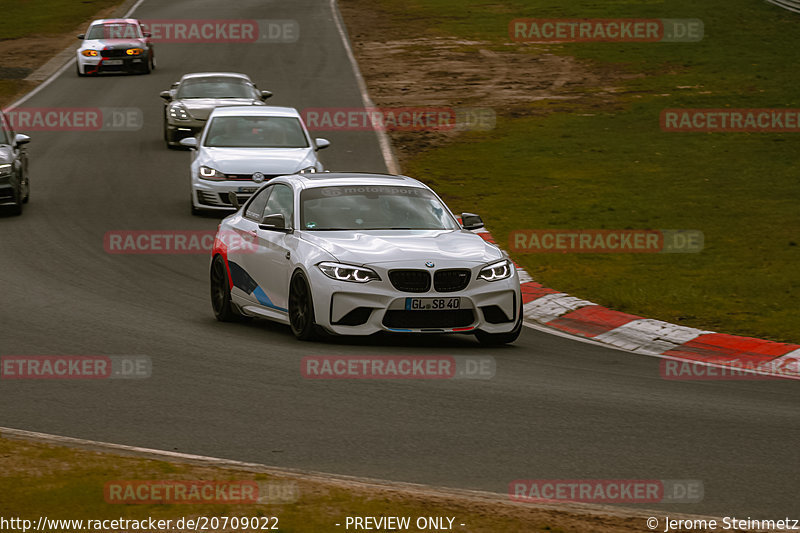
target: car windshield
373 207
256 132
120 30
215 87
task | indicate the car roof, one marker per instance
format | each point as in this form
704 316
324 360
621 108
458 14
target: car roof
114 21
219 74
336 179
254 111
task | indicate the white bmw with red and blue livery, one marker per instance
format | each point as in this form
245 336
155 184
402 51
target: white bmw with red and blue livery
357 254
115 45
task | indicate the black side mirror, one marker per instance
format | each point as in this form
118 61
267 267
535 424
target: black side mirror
276 222
265 94
471 221
166 95
233 199
147 34
82 36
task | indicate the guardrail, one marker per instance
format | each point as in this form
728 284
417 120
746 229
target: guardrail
791 5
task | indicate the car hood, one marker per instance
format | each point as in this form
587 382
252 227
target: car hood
113 44
200 108
404 246
264 160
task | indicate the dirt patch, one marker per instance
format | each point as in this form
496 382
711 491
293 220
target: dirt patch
432 70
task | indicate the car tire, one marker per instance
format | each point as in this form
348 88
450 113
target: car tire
16 209
78 69
301 309
27 191
221 303
167 138
195 210
152 62
146 67
497 339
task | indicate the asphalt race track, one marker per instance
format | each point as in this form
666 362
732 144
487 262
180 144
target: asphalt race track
557 408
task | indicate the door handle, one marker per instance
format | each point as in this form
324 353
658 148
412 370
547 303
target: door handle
288 255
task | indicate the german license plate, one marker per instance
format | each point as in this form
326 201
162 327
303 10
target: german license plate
112 62
432 304
247 190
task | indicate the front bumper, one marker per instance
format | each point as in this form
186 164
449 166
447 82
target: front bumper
213 195
363 309
8 191
181 130
96 65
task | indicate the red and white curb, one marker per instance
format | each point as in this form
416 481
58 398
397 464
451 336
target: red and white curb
568 314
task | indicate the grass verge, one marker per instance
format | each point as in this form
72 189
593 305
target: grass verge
595 163
33 31
38 479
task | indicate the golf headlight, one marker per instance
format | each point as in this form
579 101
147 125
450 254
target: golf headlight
178 112
208 173
134 51
352 273
496 271
5 170
307 170
89 53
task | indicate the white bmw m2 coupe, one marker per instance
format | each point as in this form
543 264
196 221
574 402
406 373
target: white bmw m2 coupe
356 254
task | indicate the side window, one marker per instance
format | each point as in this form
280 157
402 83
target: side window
255 209
281 201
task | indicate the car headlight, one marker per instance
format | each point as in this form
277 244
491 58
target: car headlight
496 271
208 173
5 170
89 53
134 51
307 170
352 273
178 112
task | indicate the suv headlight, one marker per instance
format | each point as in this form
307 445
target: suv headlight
208 173
5 170
134 51
307 170
89 53
496 271
352 273
178 112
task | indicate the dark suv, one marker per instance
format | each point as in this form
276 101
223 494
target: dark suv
14 184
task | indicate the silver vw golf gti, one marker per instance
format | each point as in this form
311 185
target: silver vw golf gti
356 254
241 147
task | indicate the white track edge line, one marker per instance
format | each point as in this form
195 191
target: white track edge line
383 139
331 479
61 69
